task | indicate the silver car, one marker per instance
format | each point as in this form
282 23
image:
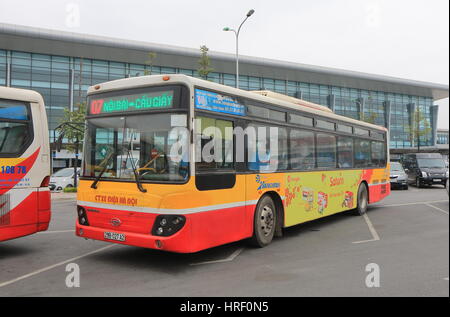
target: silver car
399 179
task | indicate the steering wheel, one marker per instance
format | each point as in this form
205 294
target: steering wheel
145 167
148 169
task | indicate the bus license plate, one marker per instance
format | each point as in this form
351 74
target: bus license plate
437 180
114 236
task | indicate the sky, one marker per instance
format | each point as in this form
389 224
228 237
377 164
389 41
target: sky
401 38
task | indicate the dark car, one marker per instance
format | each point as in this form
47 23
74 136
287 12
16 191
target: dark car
425 169
399 178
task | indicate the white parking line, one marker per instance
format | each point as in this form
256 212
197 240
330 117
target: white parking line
412 204
228 259
375 236
437 208
48 268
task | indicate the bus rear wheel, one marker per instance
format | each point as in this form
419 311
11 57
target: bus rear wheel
265 222
363 200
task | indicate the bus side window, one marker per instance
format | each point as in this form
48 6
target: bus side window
362 153
256 160
261 157
378 154
282 149
326 151
345 152
214 144
302 155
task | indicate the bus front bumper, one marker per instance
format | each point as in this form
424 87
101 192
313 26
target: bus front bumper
178 243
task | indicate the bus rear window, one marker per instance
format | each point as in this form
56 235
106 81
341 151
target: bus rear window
15 126
13 110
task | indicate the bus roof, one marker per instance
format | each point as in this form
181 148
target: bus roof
300 102
144 81
21 94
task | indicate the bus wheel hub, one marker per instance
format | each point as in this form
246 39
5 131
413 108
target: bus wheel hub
267 220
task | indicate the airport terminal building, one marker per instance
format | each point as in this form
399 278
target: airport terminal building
62 65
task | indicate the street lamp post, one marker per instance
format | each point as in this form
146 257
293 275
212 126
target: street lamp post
236 33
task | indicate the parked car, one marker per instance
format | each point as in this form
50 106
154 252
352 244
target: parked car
425 169
62 179
399 178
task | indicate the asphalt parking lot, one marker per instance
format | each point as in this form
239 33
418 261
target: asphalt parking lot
406 236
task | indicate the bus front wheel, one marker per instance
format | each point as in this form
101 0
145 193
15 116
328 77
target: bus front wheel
363 200
265 222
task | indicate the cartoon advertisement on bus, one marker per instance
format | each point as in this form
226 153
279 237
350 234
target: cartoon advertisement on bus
313 195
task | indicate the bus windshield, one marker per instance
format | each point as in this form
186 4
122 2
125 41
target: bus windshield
14 127
119 147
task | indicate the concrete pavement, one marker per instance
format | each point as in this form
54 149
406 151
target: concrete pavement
315 259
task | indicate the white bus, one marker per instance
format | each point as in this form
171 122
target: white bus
24 164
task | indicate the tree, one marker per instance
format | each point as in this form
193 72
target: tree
204 62
149 62
370 117
72 128
419 129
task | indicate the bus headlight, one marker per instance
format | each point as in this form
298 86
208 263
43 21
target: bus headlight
424 174
166 226
82 216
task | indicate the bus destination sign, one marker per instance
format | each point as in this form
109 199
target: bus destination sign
132 103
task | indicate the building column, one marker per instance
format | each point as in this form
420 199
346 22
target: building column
71 87
8 73
434 110
387 114
331 102
361 105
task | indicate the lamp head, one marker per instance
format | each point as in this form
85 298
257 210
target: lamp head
250 13
226 29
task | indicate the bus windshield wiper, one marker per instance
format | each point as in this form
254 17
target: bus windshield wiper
97 179
129 148
133 166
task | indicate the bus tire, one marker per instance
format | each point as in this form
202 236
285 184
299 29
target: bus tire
265 222
362 200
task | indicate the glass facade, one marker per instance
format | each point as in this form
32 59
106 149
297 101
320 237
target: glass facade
52 77
442 137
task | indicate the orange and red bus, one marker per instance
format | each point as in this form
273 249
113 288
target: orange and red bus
24 164
247 165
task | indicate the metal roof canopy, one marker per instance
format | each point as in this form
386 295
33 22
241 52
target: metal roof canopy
45 41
